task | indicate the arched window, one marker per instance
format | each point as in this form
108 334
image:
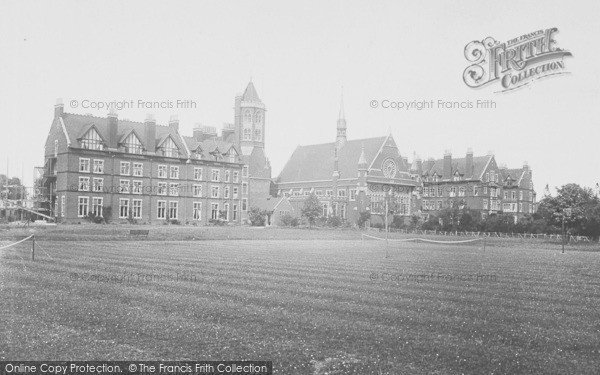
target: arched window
132 144
257 134
247 134
258 117
247 117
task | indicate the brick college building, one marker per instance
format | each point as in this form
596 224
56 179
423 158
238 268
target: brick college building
476 182
151 173
349 177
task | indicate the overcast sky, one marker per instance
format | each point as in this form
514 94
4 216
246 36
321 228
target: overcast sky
299 55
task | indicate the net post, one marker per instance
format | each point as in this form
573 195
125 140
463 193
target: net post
484 244
32 248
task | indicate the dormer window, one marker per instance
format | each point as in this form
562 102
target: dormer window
132 144
92 140
169 148
231 156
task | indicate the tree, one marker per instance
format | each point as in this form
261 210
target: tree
578 206
363 217
311 209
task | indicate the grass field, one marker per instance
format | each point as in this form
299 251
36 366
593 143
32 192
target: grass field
311 306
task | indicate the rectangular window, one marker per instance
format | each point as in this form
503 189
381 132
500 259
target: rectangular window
244 188
215 175
485 190
173 209
236 176
235 192
226 192
125 168
227 175
325 211
197 190
342 193
244 204
485 204
461 191
161 209
520 195
214 192
137 187
123 208
476 191
198 174
84 183
245 171
234 212
97 206
174 189
62 206
328 193
162 188
352 194
319 193
439 205
343 212
124 185
197 211
82 209
136 208
98 166
162 171
226 211
84 165
214 211
174 172
138 169
55 147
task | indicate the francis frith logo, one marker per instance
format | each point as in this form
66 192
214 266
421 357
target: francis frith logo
514 63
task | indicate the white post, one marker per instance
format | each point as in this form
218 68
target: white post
386 226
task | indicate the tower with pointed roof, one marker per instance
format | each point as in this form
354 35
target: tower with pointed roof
341 126
249 120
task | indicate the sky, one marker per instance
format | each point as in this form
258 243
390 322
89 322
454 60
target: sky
300 57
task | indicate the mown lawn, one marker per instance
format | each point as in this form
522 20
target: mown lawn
312 307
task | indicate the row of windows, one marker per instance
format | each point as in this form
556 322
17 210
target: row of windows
334 209
341 193
164 171
258 117
162 188
133 208
248 134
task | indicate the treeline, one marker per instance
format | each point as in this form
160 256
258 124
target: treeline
578 206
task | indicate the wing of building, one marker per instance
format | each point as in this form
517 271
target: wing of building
142 171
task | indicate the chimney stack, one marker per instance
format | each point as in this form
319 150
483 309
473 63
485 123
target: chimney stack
469 163
59 108
150 133
447 167
228 132
526 165
113 128
198 136
174 123
420 167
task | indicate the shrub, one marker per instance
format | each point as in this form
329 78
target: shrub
363 218
334 221
256 217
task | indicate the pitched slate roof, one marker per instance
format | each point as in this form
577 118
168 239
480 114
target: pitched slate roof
250 94
208 145
77 125
458 164
315 162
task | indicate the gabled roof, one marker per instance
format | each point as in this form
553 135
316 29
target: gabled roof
77 125
250 94
209 146
437 166
315 162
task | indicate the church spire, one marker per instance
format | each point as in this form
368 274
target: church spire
341 124
362 160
